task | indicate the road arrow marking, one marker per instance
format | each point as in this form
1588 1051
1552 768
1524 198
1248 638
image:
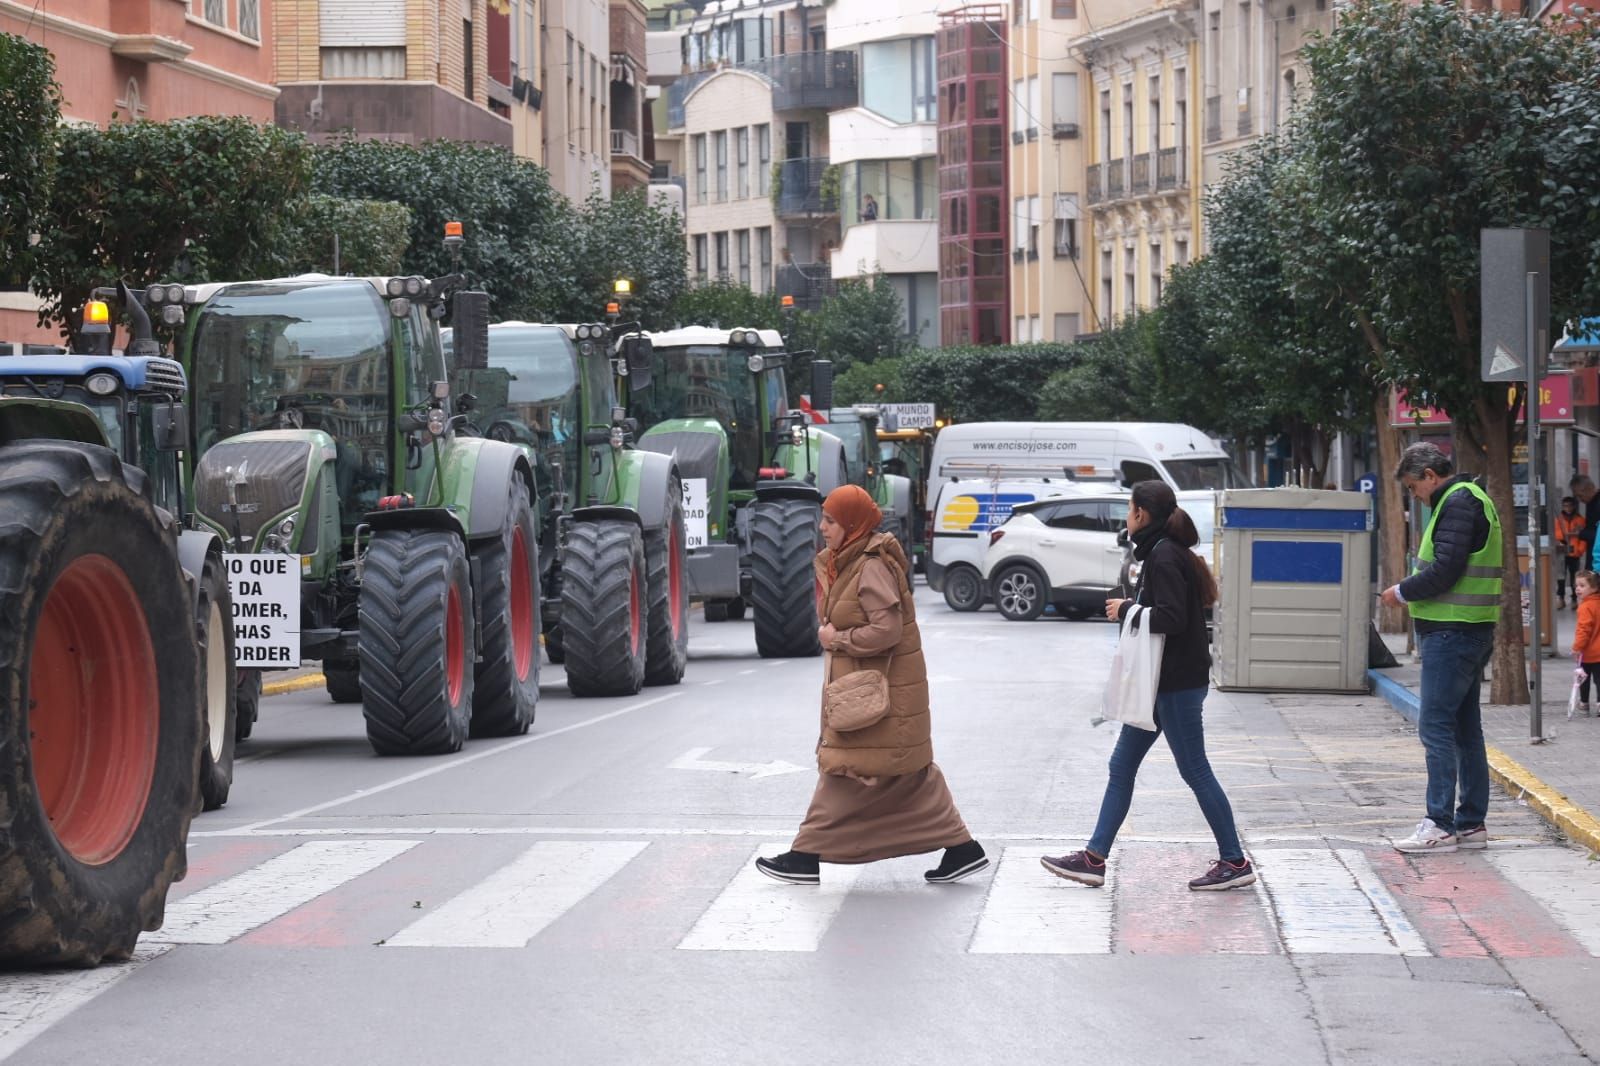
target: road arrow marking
693 760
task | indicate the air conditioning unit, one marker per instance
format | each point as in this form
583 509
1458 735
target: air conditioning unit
1062 131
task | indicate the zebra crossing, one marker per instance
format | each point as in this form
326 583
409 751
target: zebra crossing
1309 900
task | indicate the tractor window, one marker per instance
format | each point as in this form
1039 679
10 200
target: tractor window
288 355
709 381
855 450
541 387
424 362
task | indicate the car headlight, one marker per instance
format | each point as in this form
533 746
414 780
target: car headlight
101 384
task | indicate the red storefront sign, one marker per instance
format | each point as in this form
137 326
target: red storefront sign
1586 387
1556 405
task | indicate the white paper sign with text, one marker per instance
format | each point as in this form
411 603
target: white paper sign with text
266 610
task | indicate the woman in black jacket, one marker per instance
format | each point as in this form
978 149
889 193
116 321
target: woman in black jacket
1176 587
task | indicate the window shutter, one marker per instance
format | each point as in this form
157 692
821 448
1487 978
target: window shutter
363 23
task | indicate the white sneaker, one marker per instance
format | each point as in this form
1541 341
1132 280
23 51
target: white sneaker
1427 837
1473 839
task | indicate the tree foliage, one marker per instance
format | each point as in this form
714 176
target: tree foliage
190 200
726 305
984 384
627 237
373 237
875 382
30 111
1111 378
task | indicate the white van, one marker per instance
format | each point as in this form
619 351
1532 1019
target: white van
962 514
1180 455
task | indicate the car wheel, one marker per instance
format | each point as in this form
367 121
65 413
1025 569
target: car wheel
963 591
1019 592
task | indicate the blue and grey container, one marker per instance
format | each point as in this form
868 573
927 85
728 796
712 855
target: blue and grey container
1296 590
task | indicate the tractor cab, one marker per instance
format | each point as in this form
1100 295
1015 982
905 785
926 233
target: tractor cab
857 428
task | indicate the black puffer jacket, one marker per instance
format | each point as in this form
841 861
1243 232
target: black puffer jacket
1462 528
1169 587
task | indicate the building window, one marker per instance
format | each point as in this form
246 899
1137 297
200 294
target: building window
1155 273
1246 51
741 147
699 168
1066 242
1019 107
722 256
1130 279
1183 251
720 138
578 115
1127 120
700 257
744 258
572 99
764 250
763 159
897 79
1180 114
216 11
1155 113
250 19
1033 227
1035 106
1106 308
468 75
1064 100
1063 9
1066 328
363 63
1035 329
1105 124
1019 225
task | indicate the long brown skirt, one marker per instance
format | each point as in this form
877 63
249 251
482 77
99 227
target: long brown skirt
852 822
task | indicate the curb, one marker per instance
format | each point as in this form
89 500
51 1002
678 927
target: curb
293 684
1579 825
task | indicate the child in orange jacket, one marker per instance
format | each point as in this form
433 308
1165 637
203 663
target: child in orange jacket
1572 538
1586 642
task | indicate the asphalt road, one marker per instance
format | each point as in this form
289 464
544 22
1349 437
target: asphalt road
584 894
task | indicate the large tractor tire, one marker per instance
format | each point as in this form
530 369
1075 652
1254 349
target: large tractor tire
555 645
342 679
214 634
666 557
506 691
603 608
99 737
783 547
416 642
247 704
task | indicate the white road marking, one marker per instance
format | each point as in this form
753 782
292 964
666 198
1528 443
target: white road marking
231 908
1333 903
457 762
31 1003
749 671
693 759
1564 882
756 913
708 684
1029 911
516 902
778 662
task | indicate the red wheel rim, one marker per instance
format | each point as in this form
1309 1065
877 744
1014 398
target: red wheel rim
675 580
521 605
455 665
94 715
635 611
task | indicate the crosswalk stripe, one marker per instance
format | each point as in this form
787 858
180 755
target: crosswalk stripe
31 1003
1564 882
228 909
1334 903
512 905
756 913
1031 912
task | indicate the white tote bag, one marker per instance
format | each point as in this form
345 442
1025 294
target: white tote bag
1135 671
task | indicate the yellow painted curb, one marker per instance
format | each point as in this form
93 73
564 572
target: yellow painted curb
1579 825
293 684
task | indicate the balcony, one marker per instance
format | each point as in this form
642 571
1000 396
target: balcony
800 189
808 283
801 81
894 245
625 142
1139 182
1094 189
1213 119
1167 175
1115 188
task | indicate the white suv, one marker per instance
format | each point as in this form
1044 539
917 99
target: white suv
1062 552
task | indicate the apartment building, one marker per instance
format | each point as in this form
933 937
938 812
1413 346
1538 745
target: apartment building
632 124
121 60
577 96
1143 179
1052 295
515 86
405 70
884 151
749 115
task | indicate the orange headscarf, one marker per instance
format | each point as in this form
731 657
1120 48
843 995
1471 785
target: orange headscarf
853 508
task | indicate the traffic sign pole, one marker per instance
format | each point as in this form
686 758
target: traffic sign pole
1536 351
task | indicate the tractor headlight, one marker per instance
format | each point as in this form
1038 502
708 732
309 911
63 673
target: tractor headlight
395 287
756 363
101 384
797 434
399 307
172 314
415 286
438 421
582 331
286 527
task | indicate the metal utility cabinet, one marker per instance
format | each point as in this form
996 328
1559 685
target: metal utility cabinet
1296 590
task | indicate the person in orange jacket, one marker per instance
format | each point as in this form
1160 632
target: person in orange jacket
1586 641
1572 538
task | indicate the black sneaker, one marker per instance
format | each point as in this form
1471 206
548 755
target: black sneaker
1078 866
794 867
1225 875
963 860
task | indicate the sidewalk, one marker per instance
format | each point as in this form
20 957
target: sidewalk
1558 777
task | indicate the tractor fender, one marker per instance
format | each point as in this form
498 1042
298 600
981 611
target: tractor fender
830 463
494 463
654 477
900 497
23 418
787 490
604 513
194 546
441 519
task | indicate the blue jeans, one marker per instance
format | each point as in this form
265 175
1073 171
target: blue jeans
1178 716
1451 726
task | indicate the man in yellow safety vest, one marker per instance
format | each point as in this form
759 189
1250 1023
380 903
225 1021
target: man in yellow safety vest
1453 595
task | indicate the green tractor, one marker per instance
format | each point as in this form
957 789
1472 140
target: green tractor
858 427
323 433
100 707
609 517
754 474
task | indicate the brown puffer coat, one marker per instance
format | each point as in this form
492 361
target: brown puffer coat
870 605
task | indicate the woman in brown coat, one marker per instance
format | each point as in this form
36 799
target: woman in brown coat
879 794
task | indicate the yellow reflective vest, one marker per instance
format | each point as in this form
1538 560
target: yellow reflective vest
1475 597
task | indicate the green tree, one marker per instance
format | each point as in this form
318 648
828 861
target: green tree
373 236
627 237
30 111
1111 379
988 383
1426 124
196 199
861 383
727 306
